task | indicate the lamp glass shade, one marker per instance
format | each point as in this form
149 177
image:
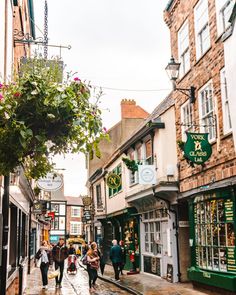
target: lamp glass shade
172 69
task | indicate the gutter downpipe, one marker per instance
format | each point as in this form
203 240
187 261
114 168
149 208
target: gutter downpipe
176 229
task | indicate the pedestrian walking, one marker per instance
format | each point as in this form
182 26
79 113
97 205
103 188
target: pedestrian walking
72 250
123 256
115 256
59 254
44 253
93 260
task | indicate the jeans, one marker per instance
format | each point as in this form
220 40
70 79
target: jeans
93 275
44 272
116 269
61 266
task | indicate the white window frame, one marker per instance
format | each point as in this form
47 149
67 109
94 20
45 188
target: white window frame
73 209
223 11
75 223
183 49
206 117
186 118
201 24
227 125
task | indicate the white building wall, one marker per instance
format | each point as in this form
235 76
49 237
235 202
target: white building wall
230 70
165 147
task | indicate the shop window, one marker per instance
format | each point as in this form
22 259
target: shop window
75 228
55 207
13 237
202 31
206 111
214 235
117 171
99 196
55 223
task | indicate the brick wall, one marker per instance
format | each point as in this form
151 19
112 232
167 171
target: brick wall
69 218
222 163
130 110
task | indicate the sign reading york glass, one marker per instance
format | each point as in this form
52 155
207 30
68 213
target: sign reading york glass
197 148
113 181
52 182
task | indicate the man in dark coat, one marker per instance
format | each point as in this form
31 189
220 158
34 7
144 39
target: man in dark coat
59 254
116 258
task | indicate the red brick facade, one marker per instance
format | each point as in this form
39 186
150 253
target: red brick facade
130 110
222 163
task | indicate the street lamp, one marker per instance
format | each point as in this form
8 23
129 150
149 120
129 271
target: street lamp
172 70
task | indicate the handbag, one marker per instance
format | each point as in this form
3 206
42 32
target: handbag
38 262
53 274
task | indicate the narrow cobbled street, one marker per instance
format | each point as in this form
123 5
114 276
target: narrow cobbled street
73 284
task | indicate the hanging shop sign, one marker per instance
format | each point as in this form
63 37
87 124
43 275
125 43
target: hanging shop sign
52 182
147 174
113 180
87 201
37 208
197 147
87 214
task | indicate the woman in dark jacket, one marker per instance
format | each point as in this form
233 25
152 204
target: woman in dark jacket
123 256
46 259
93 266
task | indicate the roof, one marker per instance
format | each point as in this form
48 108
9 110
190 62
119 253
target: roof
74 201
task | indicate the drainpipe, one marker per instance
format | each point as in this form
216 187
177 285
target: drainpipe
176 229
30 236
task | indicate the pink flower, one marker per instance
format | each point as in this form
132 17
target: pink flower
17 94
105 129
77 79
1 85
1 96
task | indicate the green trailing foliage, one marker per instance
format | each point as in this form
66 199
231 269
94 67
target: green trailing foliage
40 117
131 164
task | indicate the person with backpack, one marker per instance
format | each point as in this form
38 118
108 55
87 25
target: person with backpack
93 262
44 253
59 254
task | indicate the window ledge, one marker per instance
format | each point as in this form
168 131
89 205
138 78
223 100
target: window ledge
202 56
184 76
227 134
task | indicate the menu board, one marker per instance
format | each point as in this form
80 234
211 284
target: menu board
231 259
229 210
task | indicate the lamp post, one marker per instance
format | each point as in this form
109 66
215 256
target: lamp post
172 70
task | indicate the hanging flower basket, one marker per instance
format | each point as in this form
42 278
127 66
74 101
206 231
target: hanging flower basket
40 117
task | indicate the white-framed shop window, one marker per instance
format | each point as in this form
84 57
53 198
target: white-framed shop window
223 12
201 24
153 235
206 111
227 126
75 228
75 211
186 118
183 49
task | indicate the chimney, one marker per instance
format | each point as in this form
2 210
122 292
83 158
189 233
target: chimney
129 110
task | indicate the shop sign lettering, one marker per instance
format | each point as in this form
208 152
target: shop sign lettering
197 147
113 181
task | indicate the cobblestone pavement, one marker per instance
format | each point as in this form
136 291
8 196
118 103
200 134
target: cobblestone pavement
71 285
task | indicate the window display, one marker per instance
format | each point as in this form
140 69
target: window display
214 235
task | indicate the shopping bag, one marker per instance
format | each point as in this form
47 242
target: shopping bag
53 274
38 262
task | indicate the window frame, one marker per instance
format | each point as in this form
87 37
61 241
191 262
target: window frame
222 23
148 158
227 123
73 208
74 223
201 46
182 54
98 190
207 118
184 127
112 192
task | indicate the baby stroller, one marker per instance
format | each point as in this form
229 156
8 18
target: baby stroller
72 264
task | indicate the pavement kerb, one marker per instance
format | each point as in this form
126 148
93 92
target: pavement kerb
109 280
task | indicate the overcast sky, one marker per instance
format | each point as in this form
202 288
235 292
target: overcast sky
115 44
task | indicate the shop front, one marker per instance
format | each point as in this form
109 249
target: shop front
158 243
212 239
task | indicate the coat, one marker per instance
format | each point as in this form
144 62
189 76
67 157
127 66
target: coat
116 254
59 253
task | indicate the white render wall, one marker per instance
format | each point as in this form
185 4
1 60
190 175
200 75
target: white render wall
230 70
165 147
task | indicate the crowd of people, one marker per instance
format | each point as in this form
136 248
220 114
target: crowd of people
92 257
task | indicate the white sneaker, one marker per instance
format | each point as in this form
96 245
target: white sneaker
45 287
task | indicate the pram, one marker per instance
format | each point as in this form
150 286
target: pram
72 264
